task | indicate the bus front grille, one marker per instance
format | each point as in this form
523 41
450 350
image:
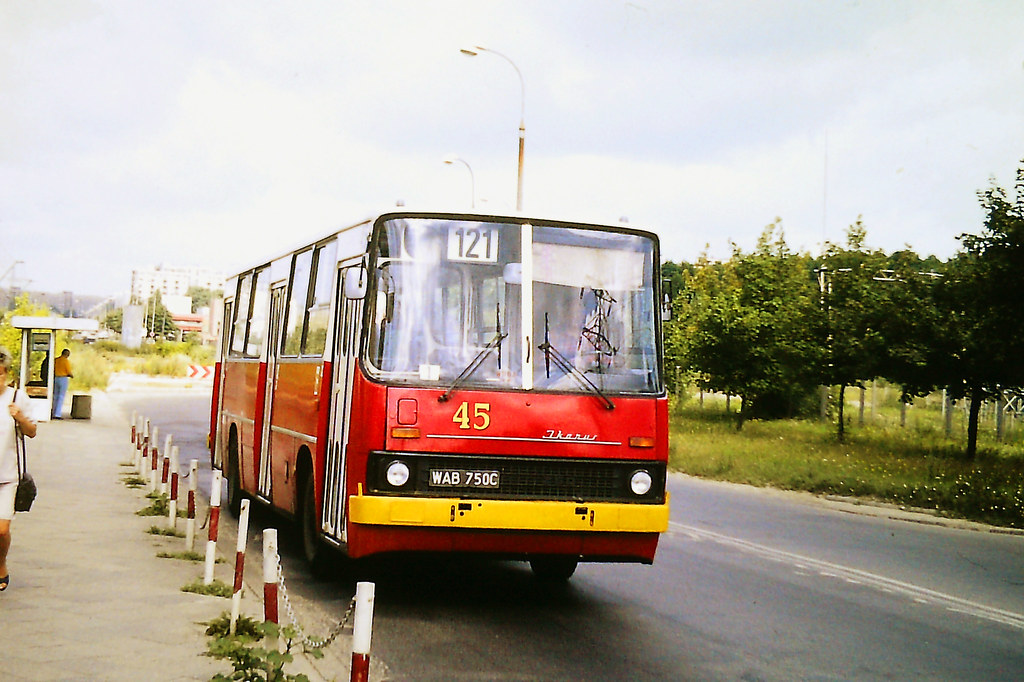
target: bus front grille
515 478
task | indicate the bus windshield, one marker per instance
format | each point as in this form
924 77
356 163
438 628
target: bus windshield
458 303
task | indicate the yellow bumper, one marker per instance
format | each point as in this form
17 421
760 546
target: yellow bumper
508 514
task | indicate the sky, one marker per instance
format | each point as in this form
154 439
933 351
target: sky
218 134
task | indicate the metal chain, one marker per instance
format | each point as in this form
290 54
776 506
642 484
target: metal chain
307 641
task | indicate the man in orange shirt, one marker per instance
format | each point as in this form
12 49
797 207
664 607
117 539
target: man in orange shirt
61 377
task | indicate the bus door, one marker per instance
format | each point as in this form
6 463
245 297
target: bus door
223 351
277 303
346 348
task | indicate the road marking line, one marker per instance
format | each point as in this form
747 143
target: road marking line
919 594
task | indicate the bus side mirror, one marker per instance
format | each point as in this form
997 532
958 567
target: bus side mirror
355 283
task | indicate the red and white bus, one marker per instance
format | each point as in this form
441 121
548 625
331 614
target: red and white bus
440 382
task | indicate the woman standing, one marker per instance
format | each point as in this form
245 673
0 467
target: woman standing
17 404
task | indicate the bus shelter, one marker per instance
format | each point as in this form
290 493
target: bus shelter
38 346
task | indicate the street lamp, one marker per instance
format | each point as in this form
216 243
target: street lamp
450 159
474 51
11 290
10 270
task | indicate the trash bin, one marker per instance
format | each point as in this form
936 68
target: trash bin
81 407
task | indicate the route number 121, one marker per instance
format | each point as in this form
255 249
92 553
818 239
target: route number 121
473 244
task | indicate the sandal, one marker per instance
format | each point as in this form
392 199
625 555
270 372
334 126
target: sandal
4 582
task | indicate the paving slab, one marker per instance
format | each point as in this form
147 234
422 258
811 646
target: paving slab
89 599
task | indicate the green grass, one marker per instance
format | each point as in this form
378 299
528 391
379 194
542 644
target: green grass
216 588
166 532
915 465
194 557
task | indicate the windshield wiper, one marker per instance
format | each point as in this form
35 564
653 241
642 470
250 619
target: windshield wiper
560 361
474 365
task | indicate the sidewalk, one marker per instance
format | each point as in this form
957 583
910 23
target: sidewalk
89 599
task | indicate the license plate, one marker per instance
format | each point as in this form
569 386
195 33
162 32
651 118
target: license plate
463 478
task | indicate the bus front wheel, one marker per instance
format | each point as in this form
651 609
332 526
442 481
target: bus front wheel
554 568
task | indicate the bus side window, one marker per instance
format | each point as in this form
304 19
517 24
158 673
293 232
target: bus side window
320 306
241 316
260 314
297 304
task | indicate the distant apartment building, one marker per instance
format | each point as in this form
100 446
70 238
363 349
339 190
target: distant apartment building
173 281
173 285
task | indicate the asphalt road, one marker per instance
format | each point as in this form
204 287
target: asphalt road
748 584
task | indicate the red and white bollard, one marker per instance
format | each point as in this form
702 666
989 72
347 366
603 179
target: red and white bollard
211 543
190 522
172 504
166 462
361 630
144 458
154 455
136 441
271 578
236 593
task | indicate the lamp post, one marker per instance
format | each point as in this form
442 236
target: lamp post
450 159
11 293
474 51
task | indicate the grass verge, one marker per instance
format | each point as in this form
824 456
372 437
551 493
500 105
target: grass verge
912 467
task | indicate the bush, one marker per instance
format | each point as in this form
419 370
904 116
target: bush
91 368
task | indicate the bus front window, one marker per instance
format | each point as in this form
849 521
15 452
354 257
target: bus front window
448 306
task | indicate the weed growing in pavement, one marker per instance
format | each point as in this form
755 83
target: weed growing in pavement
912 467
133 481
217 588
160 506
184 556
166 532
245 627
250 661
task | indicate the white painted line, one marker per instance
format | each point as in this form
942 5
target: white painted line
919 594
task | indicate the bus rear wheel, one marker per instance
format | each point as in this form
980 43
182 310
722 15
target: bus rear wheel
313 548
554 568
234 485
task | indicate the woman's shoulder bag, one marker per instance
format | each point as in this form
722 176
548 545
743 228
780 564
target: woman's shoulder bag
26 492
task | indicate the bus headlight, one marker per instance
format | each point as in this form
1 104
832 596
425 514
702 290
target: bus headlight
397 473
640 482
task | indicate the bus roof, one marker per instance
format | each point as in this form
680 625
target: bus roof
398 211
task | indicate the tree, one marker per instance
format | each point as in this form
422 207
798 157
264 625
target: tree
853 304
910 322
10 338
201 297
981 351
750 327
782 298
114 320
158 319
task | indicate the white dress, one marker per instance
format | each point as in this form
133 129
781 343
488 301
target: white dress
8 453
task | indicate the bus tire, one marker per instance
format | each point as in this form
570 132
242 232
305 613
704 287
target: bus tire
313 547
233 483
554 568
